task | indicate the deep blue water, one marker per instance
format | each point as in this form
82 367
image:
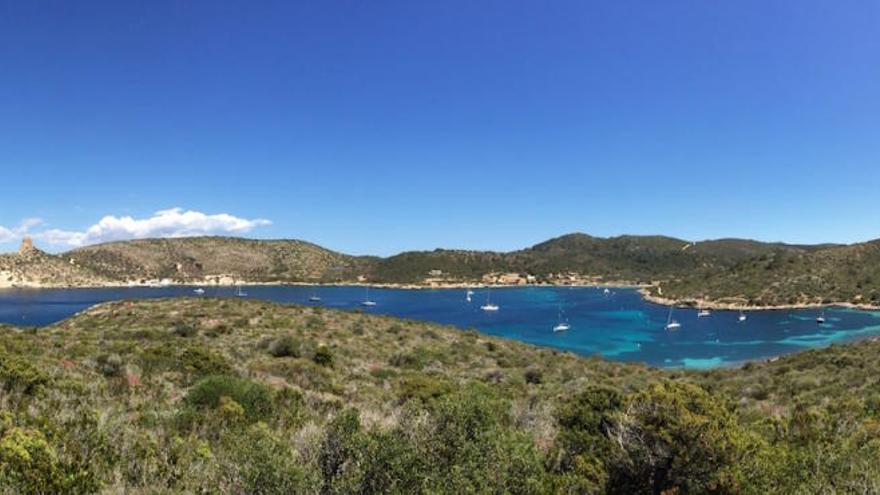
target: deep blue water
619 325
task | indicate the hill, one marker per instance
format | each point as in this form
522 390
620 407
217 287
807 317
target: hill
32 267
195 258
232 396
731 272
820 275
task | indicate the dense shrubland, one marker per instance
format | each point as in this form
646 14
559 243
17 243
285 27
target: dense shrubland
205 396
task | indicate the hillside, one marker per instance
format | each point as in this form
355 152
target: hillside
194 258
720 272
640 259
790 277
232 396
32 267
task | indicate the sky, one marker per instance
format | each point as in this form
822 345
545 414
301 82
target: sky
383 126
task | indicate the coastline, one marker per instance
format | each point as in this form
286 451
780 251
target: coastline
722 306
641 288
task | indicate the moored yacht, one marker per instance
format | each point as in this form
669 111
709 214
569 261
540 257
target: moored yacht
314 297
671 324
489 306
563 324
367 301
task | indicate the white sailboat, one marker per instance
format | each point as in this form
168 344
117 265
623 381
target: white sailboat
489 306
607 291
670 323
199 291
704 313
314 297
821 318
742 316
239 292
367 301
468 295
563 324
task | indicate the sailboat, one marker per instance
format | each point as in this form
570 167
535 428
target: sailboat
489 306
563 324
821 318
199 291
239 292
607 291
367 301
468 295
742 316
704 313
670 323
314 297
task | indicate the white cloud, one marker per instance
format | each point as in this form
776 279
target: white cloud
6 235
174 222
16 233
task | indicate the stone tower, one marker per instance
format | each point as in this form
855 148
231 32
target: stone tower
27 246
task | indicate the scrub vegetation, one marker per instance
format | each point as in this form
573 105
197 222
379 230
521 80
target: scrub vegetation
196 395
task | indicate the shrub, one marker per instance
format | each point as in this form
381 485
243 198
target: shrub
29 464
184 330
193 362
258 461
18 374
342 454
255 398
315 322
423 388
200 362
673 437
533 376
323 356
285 346
471 447
413 360
110 365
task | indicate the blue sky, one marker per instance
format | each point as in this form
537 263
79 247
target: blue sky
375 127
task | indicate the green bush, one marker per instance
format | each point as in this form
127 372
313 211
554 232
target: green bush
257 460
323 356
423 388
18 374
255 398
182 329
110 365
285 346
29 464
471 447
533 376
673 437
193 361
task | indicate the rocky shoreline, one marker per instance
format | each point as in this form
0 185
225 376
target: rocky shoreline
724 306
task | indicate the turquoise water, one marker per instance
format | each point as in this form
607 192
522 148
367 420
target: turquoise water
620 325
